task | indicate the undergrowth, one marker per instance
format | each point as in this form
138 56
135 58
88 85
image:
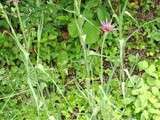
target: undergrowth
79 60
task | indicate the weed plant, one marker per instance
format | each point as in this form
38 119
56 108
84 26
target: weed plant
79 60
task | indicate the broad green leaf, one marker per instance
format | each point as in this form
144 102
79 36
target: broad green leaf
157 105
62 18
155 91
143 100
151 70
135 92
49 33
137 106
88 14
72 28
92 34
143 65
62 58
2 38
3 24
133 58
153 82
153 99
154 36
145 115
147 94
102 13
153 111
91 4
140 103
128 100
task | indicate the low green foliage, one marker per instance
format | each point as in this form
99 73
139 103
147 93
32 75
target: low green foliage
79 60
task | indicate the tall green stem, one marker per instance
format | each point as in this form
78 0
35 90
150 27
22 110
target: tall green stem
79 20
25 54
102 47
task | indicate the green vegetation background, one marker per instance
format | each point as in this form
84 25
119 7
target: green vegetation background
57 64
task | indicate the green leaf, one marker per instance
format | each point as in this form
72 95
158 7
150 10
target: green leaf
62 58
140 103
133 58
129 100
153 82
143 65
102 13
154 36
143 100
92 34
91 4
135 92
151 70
62 18
2 38
153 111
3 24
88 13
137 106
157 105
72 28
145 115
153 99
155 91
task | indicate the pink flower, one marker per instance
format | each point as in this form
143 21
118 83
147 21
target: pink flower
107 26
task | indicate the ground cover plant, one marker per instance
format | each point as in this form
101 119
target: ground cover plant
79 60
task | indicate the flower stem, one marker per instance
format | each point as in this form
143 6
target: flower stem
102 47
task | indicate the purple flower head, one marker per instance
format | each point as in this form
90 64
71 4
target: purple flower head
107 26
